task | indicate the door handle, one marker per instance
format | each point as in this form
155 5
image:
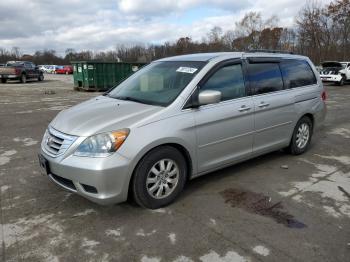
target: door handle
263 104
243 108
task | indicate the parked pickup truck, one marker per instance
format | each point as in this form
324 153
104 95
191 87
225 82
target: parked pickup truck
336 72
20 70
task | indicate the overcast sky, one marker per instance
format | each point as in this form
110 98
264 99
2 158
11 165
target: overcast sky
100 25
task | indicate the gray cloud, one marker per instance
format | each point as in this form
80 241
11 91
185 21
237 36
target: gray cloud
99 25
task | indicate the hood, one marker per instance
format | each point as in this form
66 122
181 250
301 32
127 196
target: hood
331 64
101 114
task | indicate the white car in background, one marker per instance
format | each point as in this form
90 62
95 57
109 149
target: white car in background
50 69
335 72
42 68
45 68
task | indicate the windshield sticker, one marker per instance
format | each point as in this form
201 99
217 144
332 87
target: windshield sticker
188 70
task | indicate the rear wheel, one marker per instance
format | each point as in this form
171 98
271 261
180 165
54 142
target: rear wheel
301 136
23 78
41 77
3 80
159 177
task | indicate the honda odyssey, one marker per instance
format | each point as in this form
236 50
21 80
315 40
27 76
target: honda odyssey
179 118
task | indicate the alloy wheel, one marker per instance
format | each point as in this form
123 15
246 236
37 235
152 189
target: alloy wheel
303 135
162 179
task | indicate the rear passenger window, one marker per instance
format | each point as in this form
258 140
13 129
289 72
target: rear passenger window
229 81
297 73
265 77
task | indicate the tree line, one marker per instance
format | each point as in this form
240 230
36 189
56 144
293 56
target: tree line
320 32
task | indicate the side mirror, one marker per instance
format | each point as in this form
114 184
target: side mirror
209 97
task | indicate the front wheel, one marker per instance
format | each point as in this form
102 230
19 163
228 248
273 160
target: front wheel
41 77
159 177
23 79
301 136
342 81
3 80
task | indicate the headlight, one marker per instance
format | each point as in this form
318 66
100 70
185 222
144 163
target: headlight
102 145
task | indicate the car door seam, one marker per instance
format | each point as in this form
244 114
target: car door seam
225 139
274 126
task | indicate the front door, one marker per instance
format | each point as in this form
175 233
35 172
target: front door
30 69
224 130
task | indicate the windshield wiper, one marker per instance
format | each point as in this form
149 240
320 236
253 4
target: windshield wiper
129 98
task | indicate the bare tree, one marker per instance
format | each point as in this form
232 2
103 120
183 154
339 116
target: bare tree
339 12
321 32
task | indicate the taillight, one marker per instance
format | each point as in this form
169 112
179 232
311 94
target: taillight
324 95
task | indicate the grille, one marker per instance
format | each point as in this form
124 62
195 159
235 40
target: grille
56 143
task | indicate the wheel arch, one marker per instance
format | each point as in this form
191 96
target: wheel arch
178 146
311 117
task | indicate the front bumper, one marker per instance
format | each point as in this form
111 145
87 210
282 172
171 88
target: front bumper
101 180
332 78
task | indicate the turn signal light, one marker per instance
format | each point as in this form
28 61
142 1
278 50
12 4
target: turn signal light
119 137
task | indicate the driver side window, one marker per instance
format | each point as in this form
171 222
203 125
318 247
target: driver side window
229 81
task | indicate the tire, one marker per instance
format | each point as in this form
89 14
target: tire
23 78
151 175
3 80
341 82
301 136
67 73
41 77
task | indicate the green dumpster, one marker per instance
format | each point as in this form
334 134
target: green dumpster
101 76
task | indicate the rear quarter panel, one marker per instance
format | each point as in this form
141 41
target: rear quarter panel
7 70
308 100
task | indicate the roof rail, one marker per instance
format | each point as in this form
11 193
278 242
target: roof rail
269 51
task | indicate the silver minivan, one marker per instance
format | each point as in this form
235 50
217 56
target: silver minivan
179 118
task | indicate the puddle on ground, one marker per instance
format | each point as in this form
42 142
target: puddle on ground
261 205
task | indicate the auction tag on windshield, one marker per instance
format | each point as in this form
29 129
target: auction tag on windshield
188 70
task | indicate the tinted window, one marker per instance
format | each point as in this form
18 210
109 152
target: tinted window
229 81
297 73
15 64
29 65
265 77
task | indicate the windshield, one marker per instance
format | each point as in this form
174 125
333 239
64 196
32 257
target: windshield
158 83
14 63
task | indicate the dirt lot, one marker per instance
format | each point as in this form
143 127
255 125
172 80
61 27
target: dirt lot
274 208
